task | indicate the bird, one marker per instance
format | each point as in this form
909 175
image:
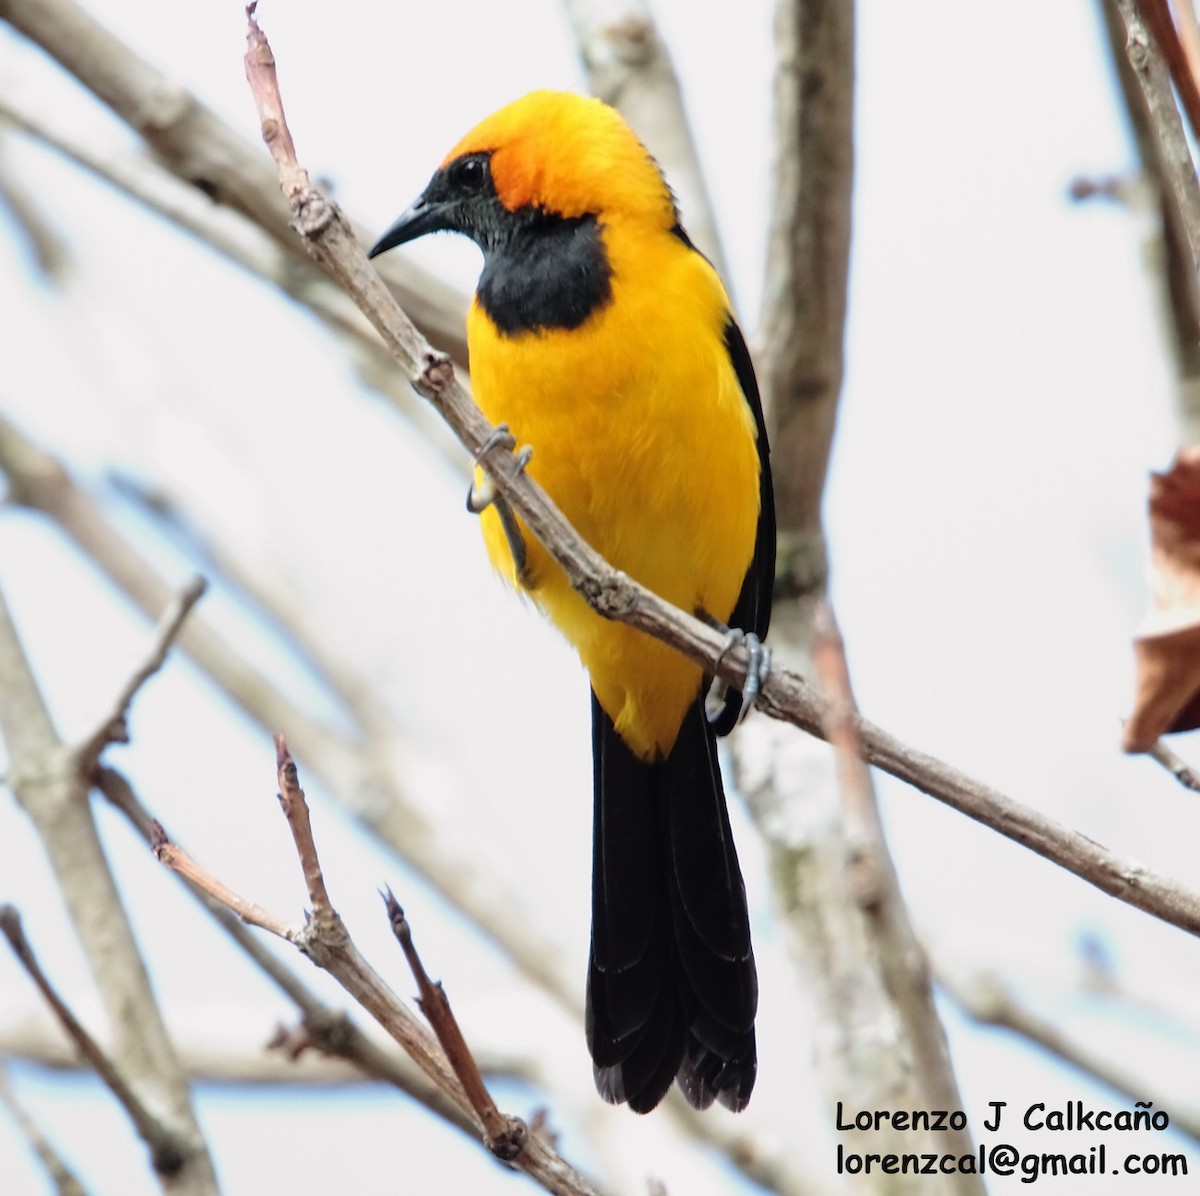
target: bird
600 337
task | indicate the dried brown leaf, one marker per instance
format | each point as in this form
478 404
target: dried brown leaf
1167 647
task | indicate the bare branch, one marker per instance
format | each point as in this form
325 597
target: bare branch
295 810
786 695
1126 880
370 779
178 861
326 941
1153 200
61 1176
328 945
899 958
45 778
49 253
986 998
199 146
805 289
1179 169
325 1029
505 1136
1179 768
168 1151
239 241
113 727
290 1057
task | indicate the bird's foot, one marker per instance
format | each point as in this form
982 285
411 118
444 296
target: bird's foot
483 494
758 666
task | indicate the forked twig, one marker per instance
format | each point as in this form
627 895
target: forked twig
505 1135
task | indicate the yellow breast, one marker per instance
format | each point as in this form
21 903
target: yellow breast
642 436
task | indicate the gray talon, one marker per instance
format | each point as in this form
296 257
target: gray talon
498 437
758 665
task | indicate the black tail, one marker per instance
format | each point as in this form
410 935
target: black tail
672 989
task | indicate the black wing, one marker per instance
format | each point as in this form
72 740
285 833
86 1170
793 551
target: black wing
753 609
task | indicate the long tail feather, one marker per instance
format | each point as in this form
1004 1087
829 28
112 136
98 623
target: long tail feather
672 990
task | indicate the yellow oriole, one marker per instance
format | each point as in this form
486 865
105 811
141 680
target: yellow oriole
605 340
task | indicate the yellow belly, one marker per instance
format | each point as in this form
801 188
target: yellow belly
642 436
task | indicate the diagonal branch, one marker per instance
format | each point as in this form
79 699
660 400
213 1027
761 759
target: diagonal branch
167 1149
505 1136
61 1176
986 999
235 238
1176 157
324 1028
786 695
45 779
113 727
371 776
197 145
326 941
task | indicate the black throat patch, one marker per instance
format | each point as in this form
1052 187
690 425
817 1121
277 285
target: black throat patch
546 272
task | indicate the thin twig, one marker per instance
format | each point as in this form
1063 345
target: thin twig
172 856
505 1136
328 945
326 941
1179 768
1127 880
1174 50
47 249
325 1029
201 148
167 1151
113 727
295 810
65 1182
987 999
1152 199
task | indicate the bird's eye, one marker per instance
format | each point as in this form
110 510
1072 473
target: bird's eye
469 174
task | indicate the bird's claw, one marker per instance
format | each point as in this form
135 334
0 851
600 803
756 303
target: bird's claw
483 493
498 437
758 666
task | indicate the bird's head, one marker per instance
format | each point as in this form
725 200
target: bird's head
550 152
